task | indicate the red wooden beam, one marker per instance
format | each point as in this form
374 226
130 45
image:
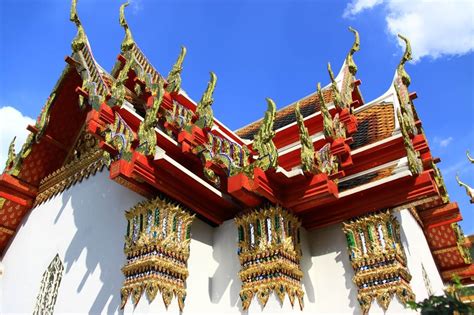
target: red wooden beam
382 196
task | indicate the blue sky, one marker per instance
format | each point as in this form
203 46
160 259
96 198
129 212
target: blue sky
259 49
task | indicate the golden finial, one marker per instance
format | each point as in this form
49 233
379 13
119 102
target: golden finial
469 190
337 96
406 57
80 40
11 153
355 47
174 77
469 157
203 108
127 42
331 74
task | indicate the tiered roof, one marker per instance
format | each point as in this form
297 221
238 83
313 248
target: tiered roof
155 139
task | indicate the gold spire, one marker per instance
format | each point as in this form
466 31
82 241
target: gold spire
355 47
337 96
11 153
127 42
203 109
80 40
174 77
307 149
406 57
469 190
327 119
469 157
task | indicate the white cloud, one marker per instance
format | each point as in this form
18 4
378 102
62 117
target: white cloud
443 143
12 123
136 6
356 6
435 28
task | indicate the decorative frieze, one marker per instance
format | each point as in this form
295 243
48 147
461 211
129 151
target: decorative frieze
269 253
378 260
157 251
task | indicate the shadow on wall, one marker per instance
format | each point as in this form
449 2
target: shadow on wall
100 232
306 264
225 254
331 240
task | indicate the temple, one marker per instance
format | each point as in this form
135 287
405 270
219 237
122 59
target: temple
129 196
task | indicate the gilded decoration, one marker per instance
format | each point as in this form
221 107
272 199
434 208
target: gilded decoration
378 260
91 80
157 250
333 127
463 246
469 189
414 162
440 183
326 162
84 160
146 130
119 136
204 110
406 57
127 42
337 98
174 76
228 156
178 118
355 47
15 161
307 148
11 154
269 253
263 140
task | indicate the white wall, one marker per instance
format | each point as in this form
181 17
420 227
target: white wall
418 253
85 225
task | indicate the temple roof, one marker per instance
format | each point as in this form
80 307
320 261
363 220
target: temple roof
286 115
376 150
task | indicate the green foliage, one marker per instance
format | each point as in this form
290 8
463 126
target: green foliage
445 304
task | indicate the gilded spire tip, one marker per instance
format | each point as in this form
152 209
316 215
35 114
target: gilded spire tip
355 47
406 57
127 42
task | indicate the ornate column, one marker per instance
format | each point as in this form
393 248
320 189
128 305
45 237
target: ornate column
378 260
269 253
157 251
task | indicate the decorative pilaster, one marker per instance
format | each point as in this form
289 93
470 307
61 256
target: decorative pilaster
157 251
269 254
378 260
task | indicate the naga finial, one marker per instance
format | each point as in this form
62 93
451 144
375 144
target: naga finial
331 74
263 140
355 47
11 153
469 157
203 109
127 42
327 119
80 40
146 130
469 190
337 96
174 77
307 149
406 57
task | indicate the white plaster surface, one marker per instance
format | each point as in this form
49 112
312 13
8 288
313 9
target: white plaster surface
85 225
